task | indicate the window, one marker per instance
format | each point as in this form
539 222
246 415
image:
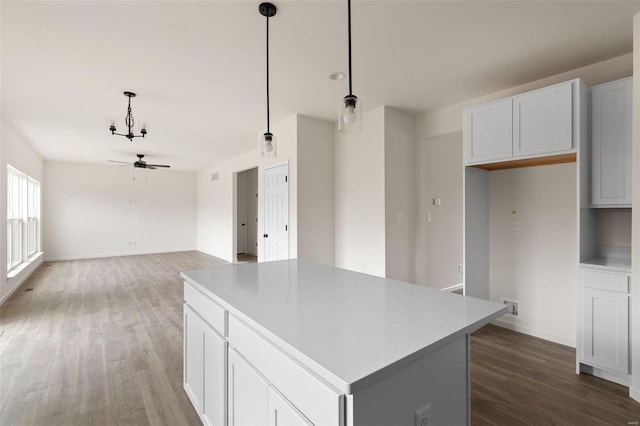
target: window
23 217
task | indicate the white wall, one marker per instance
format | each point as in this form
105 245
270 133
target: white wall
315 190
97 211
216 217
449 120
400 194
17 152
360 196
536 265
635 238
439 242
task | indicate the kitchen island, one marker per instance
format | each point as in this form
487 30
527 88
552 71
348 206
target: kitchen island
292 342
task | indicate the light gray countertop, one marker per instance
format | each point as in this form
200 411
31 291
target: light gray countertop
608 264
348 327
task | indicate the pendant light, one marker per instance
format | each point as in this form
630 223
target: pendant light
350 116
268 140
129 122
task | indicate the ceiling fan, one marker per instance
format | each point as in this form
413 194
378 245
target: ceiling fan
141 164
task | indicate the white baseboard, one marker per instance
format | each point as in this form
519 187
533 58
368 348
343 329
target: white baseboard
634 393
101 256
21 278
500 322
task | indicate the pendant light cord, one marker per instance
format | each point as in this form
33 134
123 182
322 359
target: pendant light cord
268 129
349 26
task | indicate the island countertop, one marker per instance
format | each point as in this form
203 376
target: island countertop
348 327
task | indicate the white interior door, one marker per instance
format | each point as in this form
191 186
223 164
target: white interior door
242 220
276 213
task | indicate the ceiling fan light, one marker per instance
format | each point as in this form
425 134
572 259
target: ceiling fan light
268 145
350 115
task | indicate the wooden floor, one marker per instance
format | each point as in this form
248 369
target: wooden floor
99 342
521 380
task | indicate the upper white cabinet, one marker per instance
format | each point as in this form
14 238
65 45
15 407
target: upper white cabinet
611 105
488 132
542 121
539 123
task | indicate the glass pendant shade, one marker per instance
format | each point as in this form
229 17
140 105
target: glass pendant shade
268 145
350 118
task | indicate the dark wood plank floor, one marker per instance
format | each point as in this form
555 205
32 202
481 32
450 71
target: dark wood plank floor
521 380
99 342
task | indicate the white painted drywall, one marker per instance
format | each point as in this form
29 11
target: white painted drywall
634 391
439 242
360 196
99 211
613 227
216 198
535 265
400 194
315 190
17 152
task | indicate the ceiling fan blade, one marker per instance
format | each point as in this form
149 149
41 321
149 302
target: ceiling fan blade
120 162
150 167
157 165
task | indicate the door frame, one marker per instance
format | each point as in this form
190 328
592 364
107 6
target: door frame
234 210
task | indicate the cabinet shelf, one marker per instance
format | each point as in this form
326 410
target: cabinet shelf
528 162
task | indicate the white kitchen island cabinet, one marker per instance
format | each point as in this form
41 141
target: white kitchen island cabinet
317 345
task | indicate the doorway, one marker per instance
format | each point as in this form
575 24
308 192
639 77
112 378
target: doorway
247 216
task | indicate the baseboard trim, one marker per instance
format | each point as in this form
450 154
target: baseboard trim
30 269
101 256
453 288
634 393
533 332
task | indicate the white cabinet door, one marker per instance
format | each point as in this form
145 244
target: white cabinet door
192 367
488 132
606 329
214 386
248 394
283 413
611 129
543 121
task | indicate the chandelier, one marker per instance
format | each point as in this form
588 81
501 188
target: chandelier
129 122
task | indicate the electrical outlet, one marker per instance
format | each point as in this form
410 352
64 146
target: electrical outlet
512 307
423 416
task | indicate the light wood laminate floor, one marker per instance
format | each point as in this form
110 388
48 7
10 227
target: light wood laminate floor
99 342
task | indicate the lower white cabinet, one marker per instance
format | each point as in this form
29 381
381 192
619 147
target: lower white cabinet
604 339
283 413
248 393
205 368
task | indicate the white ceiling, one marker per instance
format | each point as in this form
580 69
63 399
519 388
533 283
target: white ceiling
198 66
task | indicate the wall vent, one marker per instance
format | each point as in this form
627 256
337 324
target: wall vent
215 176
